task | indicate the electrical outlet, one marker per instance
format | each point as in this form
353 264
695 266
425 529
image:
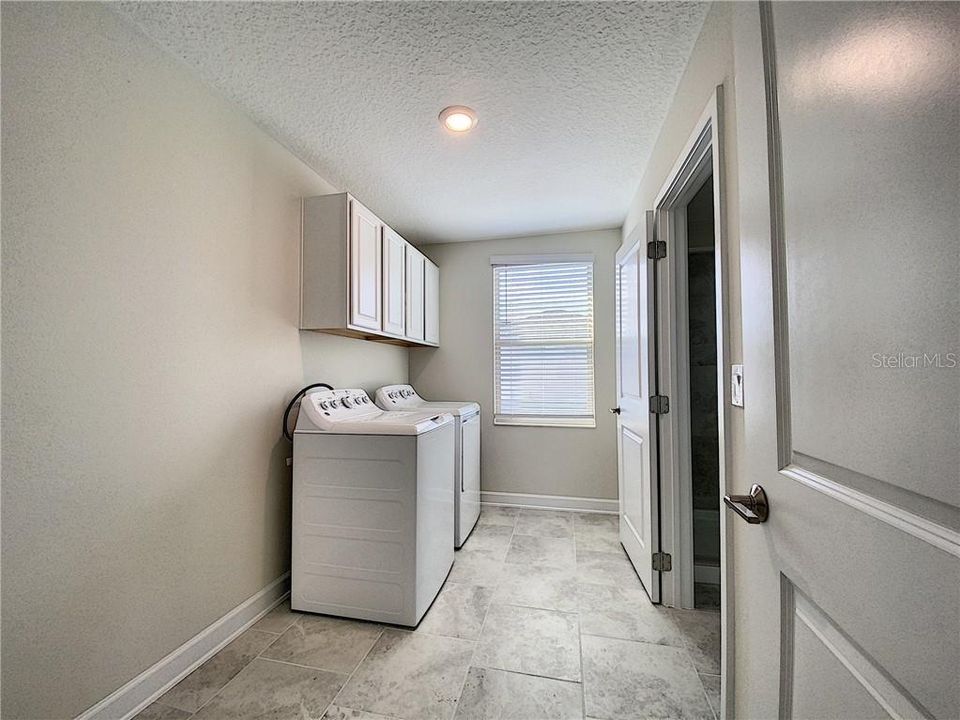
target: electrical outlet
736 385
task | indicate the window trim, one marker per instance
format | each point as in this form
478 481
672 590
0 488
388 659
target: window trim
556 421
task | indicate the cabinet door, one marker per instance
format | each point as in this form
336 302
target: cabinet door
394 272
415 267
365 268
431 303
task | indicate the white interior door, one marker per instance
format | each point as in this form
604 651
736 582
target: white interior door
394 273
365 268
848 597
636 428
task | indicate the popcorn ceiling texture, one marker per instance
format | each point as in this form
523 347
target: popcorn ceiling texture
570 96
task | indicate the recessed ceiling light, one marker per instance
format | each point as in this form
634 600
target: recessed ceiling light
458 119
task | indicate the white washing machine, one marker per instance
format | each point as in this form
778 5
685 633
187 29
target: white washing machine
372 508
467 482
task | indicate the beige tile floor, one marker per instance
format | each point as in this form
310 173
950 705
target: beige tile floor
541 618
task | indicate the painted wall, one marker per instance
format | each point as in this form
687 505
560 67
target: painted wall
150 251
711 64
543 461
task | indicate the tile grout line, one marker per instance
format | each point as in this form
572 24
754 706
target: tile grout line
298 665
583 674
483 624
353 672
716 714
234 677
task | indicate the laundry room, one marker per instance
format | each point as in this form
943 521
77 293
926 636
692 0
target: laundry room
416 361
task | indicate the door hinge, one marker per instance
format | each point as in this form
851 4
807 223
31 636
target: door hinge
657 249
662 562
659 404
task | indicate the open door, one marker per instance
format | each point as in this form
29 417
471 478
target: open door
636 427
847 602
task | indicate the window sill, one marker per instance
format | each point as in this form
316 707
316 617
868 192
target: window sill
527 421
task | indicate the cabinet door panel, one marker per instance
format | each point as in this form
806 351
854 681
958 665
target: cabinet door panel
431 303
394 272
415 267
365 268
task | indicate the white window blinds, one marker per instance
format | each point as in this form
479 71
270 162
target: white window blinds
543 342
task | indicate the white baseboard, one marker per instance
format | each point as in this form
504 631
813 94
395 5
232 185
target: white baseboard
551 502
160 677
706 574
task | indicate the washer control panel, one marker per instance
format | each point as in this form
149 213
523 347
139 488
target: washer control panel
328 407
399 396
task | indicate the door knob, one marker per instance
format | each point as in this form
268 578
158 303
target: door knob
615 411
753 508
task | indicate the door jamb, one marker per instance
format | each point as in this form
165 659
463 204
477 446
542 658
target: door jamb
702 155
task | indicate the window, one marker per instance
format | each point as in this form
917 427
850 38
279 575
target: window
543 341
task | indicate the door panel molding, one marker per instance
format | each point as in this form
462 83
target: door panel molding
923 517
778 250
798 611
916 525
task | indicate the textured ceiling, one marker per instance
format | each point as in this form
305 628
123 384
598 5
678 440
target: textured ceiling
570 98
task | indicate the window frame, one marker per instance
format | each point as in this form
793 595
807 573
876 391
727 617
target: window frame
508 420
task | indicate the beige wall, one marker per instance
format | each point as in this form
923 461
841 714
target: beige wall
710 65
544 461
150 246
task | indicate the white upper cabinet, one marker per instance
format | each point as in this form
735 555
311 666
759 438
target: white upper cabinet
431 304
394 273
366 268
415 267
361 279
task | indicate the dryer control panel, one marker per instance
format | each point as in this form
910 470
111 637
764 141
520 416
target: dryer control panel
398 396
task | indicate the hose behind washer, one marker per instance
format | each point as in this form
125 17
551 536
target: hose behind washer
300 394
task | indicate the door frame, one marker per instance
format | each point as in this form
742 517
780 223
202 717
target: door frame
701 157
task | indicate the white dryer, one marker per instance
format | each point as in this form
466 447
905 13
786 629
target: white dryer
467 483
372 508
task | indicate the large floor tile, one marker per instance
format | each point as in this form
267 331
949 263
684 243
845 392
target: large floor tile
337 712
156 711
597 536
498 515
409 675
500 695
196 689
540 587
626 613
530 640
711 684
603 568
624 680
326 643
541 552
544 523
700 631
583 520
458 611
476 567
268 689
278 619
494 539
